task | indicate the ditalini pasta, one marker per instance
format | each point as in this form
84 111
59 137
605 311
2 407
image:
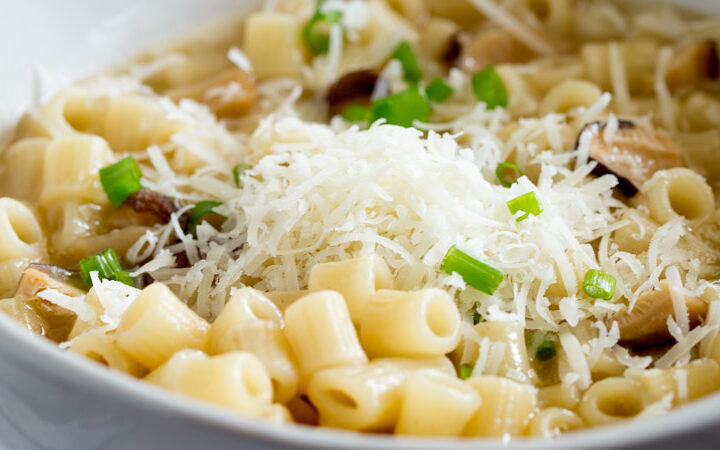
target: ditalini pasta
460 218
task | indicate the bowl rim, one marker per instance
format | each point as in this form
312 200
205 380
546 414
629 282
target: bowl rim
31 350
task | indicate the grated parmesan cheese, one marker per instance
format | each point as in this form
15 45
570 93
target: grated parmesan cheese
74 304
240 59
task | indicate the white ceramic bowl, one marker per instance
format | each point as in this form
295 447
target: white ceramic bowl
50 399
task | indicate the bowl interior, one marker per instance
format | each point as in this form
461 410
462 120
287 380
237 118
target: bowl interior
65 43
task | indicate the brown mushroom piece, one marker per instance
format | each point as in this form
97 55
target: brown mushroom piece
646 324
148 201
352 88
37 277
230 93
55 321
489 47
693 63
633 156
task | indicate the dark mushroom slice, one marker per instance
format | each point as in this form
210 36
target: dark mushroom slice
148 201
633 156
693 63
489 47
352 88
646 324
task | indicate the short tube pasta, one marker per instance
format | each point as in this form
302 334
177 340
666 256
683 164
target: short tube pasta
245 305
278 414
367 396
557 15
507 407
321 333
568 95
685 383
24 157
416 323
679 192
638 56
272 42
611 400
235 380
148 121
157 324
551 422
71 170
557 395
515 359
436 404
607 365
635 236
267 341
22 236
102 348
356 279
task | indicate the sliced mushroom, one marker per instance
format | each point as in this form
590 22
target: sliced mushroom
148 201
38 277
491 47
56 321
351 88
228 94
646 324
693 63
633 156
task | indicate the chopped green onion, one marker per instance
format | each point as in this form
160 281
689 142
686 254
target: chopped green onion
489 88
598 284
199 211
500 173
124 277
356 113
466 371
107 265
479 275
237 170
121 179
411 69
438 90
403 108
526 203
546 351
477 318
316 32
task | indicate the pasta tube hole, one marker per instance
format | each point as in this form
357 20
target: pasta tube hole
254 377
440 317
341 398
22 223
262 310
685 198
621 406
